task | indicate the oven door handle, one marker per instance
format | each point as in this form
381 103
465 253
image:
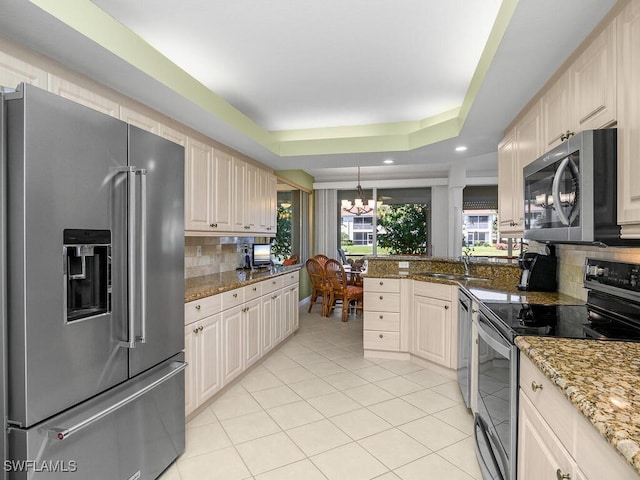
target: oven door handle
478 426
499 347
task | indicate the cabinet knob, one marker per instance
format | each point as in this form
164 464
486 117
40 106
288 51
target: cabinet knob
381 317
274 297
195 330
446 307
474 311
198 307
381 336
235 295
213 225
380 297
562 476
381 283
535 387
255 289
246 227
200 328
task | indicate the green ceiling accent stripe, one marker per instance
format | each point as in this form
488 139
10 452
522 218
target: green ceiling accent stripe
493 42
88 19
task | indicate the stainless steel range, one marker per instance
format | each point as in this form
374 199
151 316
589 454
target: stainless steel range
612 312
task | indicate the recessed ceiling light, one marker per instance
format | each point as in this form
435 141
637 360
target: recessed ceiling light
461 148
388 161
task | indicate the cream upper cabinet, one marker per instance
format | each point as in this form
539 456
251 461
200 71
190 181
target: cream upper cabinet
14 71
557 112
594 82
221 206
510 196
629 120
267 201
252 199
172 135
83 96
198 203
139 120
239 207
529 137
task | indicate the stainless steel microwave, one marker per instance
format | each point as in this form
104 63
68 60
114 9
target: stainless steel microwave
570 193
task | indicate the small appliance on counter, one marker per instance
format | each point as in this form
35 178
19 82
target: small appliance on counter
538 271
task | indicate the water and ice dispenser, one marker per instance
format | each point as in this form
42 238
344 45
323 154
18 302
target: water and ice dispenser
87 273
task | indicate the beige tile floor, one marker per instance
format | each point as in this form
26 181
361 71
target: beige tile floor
317 409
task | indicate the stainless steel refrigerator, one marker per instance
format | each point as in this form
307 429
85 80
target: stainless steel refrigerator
94 293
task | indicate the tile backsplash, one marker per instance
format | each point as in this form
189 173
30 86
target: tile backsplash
216 256
571 260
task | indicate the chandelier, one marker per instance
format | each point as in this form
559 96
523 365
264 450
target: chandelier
360 204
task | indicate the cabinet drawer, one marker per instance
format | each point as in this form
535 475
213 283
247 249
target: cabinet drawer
271 285
290 278
389 321
199 309
232 298
381 302
381 340
548 400
391 285
434 290
252 291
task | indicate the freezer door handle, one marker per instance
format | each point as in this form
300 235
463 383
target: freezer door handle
136 248
59 433
142 173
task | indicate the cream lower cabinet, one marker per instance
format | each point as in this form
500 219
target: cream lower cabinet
555 441
435 323
381 314
202 351
227 333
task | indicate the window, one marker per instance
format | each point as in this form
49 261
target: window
480 221
401 223
292 218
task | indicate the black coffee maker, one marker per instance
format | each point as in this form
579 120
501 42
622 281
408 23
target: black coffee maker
539 272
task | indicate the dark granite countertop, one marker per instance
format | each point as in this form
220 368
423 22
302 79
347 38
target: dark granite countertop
600 379
207 285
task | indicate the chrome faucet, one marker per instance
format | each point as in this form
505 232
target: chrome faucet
466 260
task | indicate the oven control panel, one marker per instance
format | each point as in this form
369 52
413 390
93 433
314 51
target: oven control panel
625 276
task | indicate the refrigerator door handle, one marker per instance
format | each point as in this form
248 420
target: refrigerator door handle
59 433
142 173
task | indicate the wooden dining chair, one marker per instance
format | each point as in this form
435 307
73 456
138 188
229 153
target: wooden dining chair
319 285
321 258
339 289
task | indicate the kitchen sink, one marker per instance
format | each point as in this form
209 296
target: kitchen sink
456 278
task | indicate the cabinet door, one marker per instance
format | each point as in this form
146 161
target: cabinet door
510 223
139 120
252 329
83 96
252 199
238 212
287 313
267 323
295 314
232 364
529 148
540 454
209 381
222 191
172 135
191 373
277 324
272 204
594 82
629 120
557 112
197 175
14 71
432 321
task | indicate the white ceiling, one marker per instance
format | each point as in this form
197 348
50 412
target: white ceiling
292 65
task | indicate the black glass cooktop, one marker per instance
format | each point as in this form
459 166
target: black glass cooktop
570 321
